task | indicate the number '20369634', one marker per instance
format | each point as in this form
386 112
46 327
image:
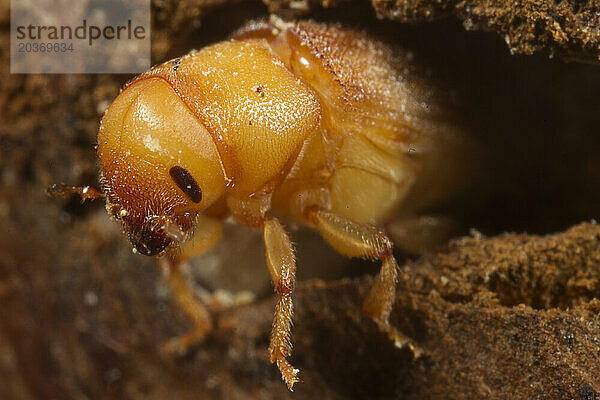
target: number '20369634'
45 47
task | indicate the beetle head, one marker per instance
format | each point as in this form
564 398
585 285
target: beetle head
160 166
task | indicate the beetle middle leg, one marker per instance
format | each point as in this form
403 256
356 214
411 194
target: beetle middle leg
282 266
355 239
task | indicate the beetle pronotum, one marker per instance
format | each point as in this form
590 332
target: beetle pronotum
302 122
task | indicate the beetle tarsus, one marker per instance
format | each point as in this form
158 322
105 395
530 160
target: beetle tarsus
400 340
180 345
356 239
289 374
282 266
195 310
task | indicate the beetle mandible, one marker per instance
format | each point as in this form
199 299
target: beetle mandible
301 122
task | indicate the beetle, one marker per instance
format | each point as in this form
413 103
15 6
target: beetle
302 122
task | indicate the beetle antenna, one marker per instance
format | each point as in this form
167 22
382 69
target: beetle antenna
63 191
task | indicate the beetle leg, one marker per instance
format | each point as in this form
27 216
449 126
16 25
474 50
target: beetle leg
355 239
282 266
207 234
195 310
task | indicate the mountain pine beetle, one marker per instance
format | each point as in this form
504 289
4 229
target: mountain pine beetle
301 122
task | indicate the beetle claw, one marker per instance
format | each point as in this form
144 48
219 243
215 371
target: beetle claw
289 374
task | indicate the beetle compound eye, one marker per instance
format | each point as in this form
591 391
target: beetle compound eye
187 183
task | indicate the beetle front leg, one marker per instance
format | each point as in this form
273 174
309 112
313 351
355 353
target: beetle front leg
207 234
355 239
195 310
282 266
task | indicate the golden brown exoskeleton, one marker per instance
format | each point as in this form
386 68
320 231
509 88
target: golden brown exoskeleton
301 122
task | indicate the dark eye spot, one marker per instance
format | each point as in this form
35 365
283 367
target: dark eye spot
187 183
